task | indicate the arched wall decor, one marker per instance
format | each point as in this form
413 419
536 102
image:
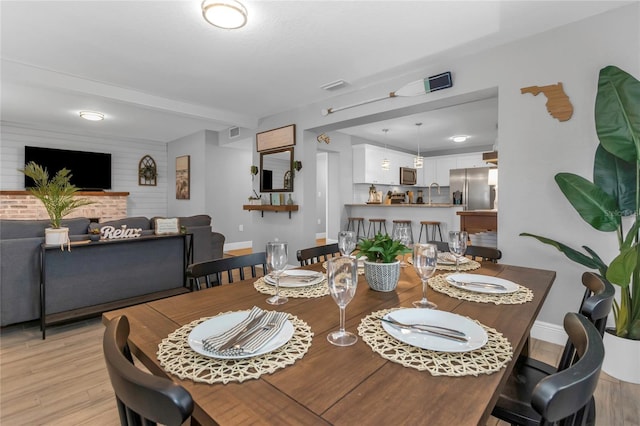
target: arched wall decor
147 172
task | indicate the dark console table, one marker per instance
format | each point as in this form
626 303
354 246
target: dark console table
99 276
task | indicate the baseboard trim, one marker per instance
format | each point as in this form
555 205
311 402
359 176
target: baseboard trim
548 332
238 246
321 235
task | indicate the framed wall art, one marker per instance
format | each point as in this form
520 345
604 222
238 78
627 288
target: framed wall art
276 138
182 177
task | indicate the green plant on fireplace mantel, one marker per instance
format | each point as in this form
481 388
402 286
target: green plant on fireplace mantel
56 194
613 194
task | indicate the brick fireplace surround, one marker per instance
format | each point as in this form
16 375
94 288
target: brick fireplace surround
21 205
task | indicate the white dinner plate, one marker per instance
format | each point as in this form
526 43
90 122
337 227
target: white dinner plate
477 336
221 323
510 286
296 278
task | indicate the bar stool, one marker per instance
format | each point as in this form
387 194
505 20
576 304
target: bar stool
399 224
381 223
433 224
351 225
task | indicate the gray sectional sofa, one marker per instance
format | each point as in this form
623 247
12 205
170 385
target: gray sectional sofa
95 275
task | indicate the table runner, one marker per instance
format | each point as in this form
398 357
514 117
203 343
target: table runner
440 284
488 359
177 357
316 290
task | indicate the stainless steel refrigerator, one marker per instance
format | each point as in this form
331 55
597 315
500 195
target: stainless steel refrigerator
474 187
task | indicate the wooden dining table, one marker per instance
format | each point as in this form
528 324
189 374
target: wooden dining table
341 385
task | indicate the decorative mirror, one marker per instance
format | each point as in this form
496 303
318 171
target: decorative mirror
276 173
147 171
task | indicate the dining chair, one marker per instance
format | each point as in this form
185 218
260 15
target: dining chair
566 396
475 252
317 254
595 307
215 268
142 398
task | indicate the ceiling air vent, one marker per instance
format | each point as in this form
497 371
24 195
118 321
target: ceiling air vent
234 132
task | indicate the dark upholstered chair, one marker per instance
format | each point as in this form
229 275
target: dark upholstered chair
215 268
528 372
317 254
141 397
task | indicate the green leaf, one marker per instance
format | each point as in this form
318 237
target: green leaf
595 206
572 254
602 266
621 268
631 235
617 178
617 113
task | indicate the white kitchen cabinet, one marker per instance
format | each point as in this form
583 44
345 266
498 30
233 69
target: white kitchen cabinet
443 165
428 171
367 165
468 161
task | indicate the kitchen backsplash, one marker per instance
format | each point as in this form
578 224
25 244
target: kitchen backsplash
361 192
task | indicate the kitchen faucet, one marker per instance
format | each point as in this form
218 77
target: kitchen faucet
433 183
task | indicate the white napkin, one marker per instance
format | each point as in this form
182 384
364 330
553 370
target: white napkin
268 326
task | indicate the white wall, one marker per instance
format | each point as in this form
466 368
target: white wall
146 201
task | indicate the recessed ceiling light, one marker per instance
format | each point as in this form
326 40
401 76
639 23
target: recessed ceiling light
459 138
227 14
92 115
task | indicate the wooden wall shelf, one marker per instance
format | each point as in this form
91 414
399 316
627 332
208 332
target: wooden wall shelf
268 208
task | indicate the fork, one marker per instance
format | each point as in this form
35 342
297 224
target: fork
425 327
240 343
478 284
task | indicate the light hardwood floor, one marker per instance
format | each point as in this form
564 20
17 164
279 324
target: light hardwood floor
63 380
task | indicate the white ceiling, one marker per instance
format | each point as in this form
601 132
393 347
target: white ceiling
158 71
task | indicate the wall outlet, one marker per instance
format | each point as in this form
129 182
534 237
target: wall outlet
319 221
240 228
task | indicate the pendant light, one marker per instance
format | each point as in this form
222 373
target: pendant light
385 161
418 161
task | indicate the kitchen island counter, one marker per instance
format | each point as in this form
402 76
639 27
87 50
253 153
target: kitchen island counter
444 213
423 205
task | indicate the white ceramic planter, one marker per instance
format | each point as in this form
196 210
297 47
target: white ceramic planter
621 358
56 236
382 276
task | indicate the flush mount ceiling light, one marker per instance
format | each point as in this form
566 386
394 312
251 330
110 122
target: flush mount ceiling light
459 138
227 14
92 115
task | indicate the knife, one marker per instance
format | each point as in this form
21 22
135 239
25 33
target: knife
478 284
391 320
239 335
424 330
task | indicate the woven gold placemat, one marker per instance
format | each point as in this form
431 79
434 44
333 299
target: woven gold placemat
440 284
177 357
486 360
469 265
317 290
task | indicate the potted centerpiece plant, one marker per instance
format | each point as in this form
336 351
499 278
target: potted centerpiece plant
58 197
381 267
610 204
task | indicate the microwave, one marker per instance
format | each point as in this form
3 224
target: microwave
408 176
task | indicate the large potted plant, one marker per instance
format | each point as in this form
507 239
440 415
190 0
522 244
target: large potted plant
610 204
58 197
381 267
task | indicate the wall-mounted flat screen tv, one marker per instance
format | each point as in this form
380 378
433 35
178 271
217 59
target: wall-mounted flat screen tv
89 170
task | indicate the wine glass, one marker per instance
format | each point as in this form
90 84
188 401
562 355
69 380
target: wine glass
342 278
458 245
277 263
402 233
346 242
425 260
